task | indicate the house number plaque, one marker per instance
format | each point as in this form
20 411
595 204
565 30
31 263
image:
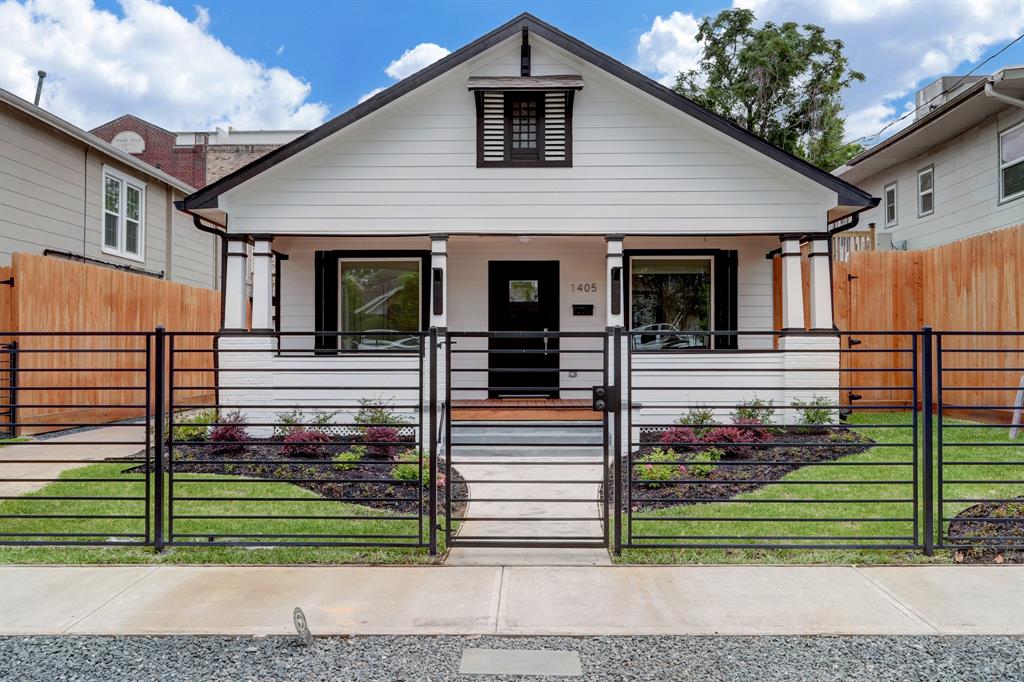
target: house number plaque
583 287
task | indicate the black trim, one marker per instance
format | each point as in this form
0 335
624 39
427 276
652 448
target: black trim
725 317
524 54
849 195
281 257
325 265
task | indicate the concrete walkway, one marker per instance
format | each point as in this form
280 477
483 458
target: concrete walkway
430 600
515 489
67 452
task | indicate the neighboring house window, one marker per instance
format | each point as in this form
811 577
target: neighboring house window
670 296
1011 163
926 191
524 128
124 203
891 212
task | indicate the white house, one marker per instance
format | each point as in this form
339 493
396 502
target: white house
526 182
956 171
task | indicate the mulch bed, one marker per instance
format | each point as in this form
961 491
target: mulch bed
265 459
983 538
801 449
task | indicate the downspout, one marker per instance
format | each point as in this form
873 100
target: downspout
198 222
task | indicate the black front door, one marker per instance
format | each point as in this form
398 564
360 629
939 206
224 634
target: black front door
523 298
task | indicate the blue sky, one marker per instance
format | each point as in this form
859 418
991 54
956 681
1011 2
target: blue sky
188 64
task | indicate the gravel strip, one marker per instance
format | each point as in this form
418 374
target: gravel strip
437 658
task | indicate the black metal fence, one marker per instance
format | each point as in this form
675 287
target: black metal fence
980 467
87 488
761 447
375 439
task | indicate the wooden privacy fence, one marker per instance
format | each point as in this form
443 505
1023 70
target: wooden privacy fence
976 284
63 379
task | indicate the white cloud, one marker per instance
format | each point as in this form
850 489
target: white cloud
152 62
415 59
902 44
669 47
280 50
410 62
370 94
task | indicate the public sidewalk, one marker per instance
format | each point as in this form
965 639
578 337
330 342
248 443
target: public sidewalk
536 600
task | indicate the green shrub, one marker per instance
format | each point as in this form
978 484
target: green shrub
377 412
346 461
297 418
843 436
192 425
814 414
701 463
700 419
658 466
754 411
408 468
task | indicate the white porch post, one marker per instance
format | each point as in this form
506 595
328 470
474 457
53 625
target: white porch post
234 284
792 285
616 299
820 285
439 281
262 285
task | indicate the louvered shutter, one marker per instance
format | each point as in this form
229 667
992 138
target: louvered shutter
493 127
556 121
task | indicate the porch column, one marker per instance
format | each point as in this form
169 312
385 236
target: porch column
439 281
792 285
615 300
262 284
234 284
820 285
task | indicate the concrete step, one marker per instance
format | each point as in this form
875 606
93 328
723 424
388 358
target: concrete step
515 433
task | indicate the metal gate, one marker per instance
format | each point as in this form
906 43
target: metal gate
526 439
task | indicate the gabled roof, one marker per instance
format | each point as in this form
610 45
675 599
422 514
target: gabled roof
91 140
849 195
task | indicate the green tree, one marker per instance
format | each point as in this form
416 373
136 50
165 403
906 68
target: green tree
782 82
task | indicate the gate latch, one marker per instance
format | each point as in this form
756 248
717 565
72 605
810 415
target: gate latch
605 399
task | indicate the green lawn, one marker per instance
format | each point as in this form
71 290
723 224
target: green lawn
813 518
83 482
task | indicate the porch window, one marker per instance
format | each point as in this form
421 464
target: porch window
379 297
670 296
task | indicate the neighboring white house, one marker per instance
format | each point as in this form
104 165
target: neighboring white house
67 193
526 182
956 171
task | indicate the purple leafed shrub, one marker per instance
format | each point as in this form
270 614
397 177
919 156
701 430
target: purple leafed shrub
732 439
678 434
230 435
382 434
305 443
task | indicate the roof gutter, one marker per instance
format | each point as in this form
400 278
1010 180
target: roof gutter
854 217
990 91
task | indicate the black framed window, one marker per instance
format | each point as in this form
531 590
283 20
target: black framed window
674 297
376 295
524 115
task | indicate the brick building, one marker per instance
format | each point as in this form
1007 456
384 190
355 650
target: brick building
195 157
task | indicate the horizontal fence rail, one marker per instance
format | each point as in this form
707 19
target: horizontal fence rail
322 447
980 496
627 439
81 486
754 448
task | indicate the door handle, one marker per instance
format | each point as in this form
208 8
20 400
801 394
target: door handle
545 342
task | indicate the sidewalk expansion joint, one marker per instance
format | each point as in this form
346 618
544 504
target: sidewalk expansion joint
114 596
896 601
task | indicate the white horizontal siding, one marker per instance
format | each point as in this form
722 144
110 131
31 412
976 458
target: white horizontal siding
966 189
638 166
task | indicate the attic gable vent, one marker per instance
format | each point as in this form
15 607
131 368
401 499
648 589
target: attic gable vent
524 121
